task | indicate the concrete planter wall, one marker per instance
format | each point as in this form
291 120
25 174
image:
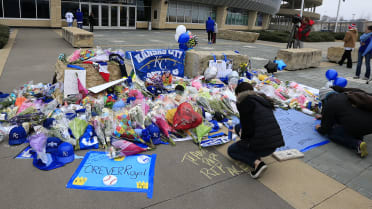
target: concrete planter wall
238 35
77 37
334 54
297 59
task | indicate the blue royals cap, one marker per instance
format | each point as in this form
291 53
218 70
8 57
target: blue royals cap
65 153
17 135
52 144
51 163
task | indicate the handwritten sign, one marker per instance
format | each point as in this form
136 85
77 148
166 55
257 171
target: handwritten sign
98 172
210 166
70 85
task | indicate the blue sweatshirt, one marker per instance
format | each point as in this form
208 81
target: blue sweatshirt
209 24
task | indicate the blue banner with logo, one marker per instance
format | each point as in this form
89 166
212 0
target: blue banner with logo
151 62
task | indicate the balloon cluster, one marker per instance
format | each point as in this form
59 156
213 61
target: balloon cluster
332 76
185 38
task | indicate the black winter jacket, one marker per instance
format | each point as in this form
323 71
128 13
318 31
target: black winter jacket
260 130
339 110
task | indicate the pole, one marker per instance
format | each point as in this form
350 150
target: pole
338 10
302 7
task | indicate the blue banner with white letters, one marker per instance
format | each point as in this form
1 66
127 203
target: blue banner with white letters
151 62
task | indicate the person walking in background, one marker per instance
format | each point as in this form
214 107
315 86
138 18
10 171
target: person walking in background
209 24
256 118
365 50
79 18
215 33
303 32
349 39
69 18
91 21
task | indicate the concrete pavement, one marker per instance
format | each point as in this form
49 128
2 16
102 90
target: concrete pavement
328 177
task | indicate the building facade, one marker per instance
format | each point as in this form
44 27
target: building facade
132 14
283 19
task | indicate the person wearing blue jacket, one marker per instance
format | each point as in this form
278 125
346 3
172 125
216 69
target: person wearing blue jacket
365 50
209 24
79 18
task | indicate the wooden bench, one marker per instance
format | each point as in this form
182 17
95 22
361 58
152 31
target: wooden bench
77 37
298 59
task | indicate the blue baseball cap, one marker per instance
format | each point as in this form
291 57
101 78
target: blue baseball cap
51 164
47 123
17 135
52 144
65 153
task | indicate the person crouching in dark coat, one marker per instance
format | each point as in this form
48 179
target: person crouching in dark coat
260 132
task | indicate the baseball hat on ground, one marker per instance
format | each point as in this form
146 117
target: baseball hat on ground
65 153
52 144
17 135
51 163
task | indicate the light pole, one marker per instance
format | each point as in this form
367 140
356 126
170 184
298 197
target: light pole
302 7
338 10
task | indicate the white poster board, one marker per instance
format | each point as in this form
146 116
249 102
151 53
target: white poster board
70 85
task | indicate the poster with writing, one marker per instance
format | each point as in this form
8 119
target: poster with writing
70 85
298 130
130 174
152 62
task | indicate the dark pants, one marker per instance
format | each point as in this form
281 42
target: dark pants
346 55
210 35
246 155
91 27
368 64
338 135
214 38
80 25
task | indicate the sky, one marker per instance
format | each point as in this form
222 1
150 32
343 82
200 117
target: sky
361 9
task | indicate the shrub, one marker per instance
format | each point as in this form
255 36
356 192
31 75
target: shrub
339 35
274 36
320 37
4 35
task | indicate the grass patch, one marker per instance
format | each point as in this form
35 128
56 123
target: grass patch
4 35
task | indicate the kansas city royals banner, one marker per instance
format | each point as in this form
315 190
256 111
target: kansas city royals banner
149 62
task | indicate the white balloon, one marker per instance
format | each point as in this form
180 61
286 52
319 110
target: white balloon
176 36
180 29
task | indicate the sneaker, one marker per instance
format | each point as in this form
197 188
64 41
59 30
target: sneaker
340 63
365 78
257 172
362 149
356 77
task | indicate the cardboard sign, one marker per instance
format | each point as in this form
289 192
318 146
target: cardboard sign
70 85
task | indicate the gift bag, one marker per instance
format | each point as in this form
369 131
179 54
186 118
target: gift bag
224 67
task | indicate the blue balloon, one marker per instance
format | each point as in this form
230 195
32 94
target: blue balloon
331 74
340 81
184 38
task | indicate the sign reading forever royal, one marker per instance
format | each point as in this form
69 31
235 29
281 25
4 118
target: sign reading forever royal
149 62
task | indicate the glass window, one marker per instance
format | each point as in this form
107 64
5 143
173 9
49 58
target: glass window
189 12
28 9
11 8
1 9
143 13
68 6
43 9
236 17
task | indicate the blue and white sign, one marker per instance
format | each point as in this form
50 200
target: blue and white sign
97 171
148 63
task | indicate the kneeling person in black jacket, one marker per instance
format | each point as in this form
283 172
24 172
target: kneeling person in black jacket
342 121
261 134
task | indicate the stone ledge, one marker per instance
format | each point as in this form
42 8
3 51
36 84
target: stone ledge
238 35
297 59
334 54
197 61
77 37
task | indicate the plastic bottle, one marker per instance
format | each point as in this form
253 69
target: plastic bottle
230 132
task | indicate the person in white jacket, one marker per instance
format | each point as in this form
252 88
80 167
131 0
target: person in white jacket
215 33
69 18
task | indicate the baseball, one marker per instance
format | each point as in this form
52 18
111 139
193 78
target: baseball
110 180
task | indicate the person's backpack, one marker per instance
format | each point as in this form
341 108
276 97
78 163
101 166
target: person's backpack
119 59
271 67
360 99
